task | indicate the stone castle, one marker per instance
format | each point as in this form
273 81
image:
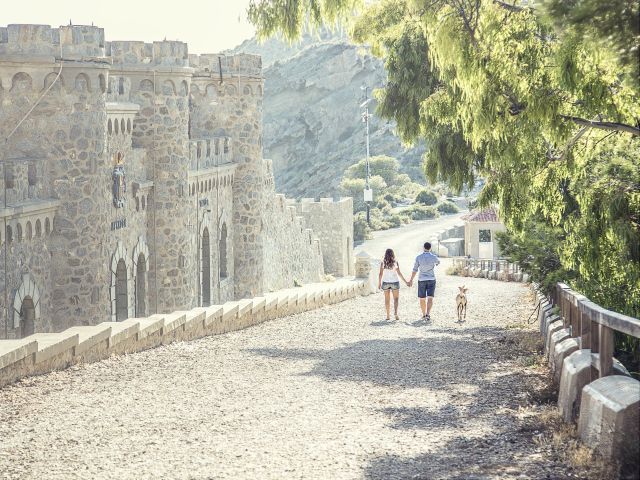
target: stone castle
134 183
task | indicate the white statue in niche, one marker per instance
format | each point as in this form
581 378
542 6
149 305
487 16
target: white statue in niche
119 186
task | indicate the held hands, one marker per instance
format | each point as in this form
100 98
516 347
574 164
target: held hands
409 283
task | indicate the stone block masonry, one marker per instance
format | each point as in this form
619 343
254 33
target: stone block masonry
136 184
332 222
42 353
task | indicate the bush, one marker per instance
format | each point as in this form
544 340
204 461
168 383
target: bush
421 212
361 230
426 197
448 207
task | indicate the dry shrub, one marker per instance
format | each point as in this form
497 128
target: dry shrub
561 440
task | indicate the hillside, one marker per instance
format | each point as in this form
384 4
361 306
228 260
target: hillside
312 121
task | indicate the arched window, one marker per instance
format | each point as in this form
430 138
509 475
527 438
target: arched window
206 268
38 228
47 226
9 234
29 231
224 273
110 127
121 86
82 83
27 317
141 286
122 304
122 127
129 125
19 232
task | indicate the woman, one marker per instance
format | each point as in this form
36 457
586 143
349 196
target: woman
389 282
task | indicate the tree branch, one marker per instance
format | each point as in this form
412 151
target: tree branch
612 126
511 8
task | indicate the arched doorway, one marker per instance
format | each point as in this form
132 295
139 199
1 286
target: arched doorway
27 317
141 286
122 304
224 273
206 268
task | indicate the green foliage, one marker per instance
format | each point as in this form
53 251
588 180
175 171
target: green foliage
537 250
354 187
387 168
361 230
447 208
426 197
420 212
290 17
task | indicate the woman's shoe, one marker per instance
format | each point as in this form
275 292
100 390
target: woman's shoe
397 318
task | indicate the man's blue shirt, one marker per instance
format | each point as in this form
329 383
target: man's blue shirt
425 262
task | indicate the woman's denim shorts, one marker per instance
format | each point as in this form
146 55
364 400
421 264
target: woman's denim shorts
391 285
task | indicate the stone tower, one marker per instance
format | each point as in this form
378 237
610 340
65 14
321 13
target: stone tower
55 162
159 75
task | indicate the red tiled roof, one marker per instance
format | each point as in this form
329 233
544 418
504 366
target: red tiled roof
489 215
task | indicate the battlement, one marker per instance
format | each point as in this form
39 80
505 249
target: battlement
164 53
209 152
216 64
78 41
310 205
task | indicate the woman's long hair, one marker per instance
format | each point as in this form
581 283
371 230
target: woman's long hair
389 261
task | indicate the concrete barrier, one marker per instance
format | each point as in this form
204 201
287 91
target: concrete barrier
45 352
609 420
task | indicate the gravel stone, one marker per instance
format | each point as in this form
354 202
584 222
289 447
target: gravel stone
335 393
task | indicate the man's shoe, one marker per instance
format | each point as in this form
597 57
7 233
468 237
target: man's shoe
427 318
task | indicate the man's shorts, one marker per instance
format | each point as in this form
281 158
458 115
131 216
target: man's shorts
426 288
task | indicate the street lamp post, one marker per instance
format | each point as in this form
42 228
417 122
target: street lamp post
368 193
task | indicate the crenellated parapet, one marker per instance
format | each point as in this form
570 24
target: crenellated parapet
37 41
332 221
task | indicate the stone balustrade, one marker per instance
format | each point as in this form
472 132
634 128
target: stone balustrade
594 388
503 270
45 352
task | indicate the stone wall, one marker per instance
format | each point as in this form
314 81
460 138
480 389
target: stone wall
332 222
292 252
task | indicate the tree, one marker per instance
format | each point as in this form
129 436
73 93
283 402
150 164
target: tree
381 165
354 187
426 197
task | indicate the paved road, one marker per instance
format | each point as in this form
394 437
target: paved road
336 393
407 241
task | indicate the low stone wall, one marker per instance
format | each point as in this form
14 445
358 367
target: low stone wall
606 408
491 269
46 352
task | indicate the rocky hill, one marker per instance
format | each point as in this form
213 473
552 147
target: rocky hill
312 120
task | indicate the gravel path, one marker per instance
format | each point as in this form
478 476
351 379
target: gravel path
335 393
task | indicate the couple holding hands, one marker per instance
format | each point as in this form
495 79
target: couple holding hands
390 275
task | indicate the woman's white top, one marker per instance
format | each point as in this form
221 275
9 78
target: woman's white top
390 275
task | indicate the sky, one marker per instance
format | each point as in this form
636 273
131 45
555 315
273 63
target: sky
208 26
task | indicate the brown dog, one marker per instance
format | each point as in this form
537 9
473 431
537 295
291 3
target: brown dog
461 302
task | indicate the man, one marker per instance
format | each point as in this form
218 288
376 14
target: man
425 263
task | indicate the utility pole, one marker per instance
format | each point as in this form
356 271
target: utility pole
368 193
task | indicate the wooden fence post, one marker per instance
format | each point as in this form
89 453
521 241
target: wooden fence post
606 351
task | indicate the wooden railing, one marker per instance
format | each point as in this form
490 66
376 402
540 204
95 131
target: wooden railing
593 326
